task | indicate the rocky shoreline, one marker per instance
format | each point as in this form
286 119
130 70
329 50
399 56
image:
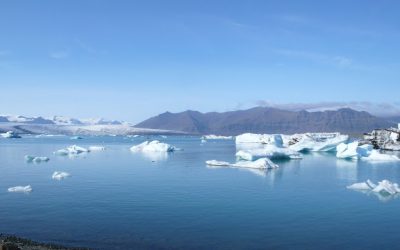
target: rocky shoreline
11 242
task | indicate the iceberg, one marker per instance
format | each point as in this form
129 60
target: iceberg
315 142
252 146
57 175
262 163
10 135
368 185
216 137
36 159
72 150
260 138
96 148
153 146
269 151
218 163
76 138
383 187
365 152
20 189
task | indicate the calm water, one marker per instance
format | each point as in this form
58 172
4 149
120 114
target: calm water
120 200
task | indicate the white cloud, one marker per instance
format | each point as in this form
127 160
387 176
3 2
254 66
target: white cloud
336 60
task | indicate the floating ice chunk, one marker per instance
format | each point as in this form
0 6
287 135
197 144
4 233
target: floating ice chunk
218 163
364 152
375 156
384 187
76 138
72 150
216 137
58 175
96 148
368 185
348 151
20 189
260 138
153 146
269 151
262 163
10 135
315 142
36 159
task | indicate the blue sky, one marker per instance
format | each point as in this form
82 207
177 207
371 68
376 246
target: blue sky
134 59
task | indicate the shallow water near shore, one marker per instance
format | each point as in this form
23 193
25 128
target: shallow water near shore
116 199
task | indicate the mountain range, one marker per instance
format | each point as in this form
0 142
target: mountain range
58 120
267 120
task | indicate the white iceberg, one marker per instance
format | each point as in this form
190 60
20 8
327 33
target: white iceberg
218 163
368 185
216 137
36 159
96 148
365 152
72 150
269 151
76 138
153 146
10 135
260 138
315 142
20 189
384 187
262 163
252 146
60 175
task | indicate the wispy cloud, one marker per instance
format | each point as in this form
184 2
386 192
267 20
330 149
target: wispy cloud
336 60
380 109
61 54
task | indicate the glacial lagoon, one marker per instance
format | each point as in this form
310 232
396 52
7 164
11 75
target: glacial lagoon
117 199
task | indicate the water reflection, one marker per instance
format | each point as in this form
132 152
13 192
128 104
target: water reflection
346 169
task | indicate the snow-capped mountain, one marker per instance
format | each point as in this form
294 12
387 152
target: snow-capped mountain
58 120
71 126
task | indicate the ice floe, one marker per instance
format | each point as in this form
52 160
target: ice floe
76 138
260 138
383 187
96 148
153 146
269 151
10 135
36 159
72 150
322 142
297 142
58 175
252 146
365 152
20 189
262 163
216 137
218 163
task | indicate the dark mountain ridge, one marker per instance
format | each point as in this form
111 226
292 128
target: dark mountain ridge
267 120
